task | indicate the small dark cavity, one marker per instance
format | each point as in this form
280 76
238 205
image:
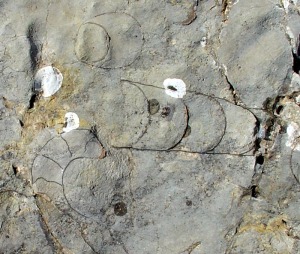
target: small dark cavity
21 123
34 50
172 88
153 106
37 87
296 57
279 109
260 160
189 203
254 191
187 131
32 101
15 169
269 128
120 209
165 111
268 104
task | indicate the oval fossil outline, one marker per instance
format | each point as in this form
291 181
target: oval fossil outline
115 37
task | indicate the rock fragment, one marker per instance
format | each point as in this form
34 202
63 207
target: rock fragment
254 49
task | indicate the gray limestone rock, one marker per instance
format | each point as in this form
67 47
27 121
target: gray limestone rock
58 152
254 49
167 125
240 133
10 131
129 107
109 46
21 230
90 185
203 133
216 171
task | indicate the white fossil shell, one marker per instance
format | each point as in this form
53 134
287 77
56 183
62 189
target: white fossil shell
48 80
174 87
71 121
293 131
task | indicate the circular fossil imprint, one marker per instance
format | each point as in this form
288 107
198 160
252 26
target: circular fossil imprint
167 120
57 153
207 124
92 43
129 108
240 129
110 40
89 184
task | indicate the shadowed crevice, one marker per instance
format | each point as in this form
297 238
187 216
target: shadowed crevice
35 47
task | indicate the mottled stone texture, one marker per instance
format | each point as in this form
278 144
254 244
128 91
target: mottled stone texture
217 171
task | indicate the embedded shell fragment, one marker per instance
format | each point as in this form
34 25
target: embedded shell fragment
71 122
48 81
174 87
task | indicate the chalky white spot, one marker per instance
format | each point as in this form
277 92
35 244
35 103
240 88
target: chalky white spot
286 4
71 121
203 42
293 131
174 87
48 80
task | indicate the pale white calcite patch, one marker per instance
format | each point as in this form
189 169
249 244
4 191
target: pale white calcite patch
48 81
71 121
293 131
175 87
286 4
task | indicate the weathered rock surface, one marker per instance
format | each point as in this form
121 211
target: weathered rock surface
216 171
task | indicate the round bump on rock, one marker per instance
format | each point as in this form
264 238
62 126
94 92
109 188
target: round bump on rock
47 81
153 106
166 111
120 209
